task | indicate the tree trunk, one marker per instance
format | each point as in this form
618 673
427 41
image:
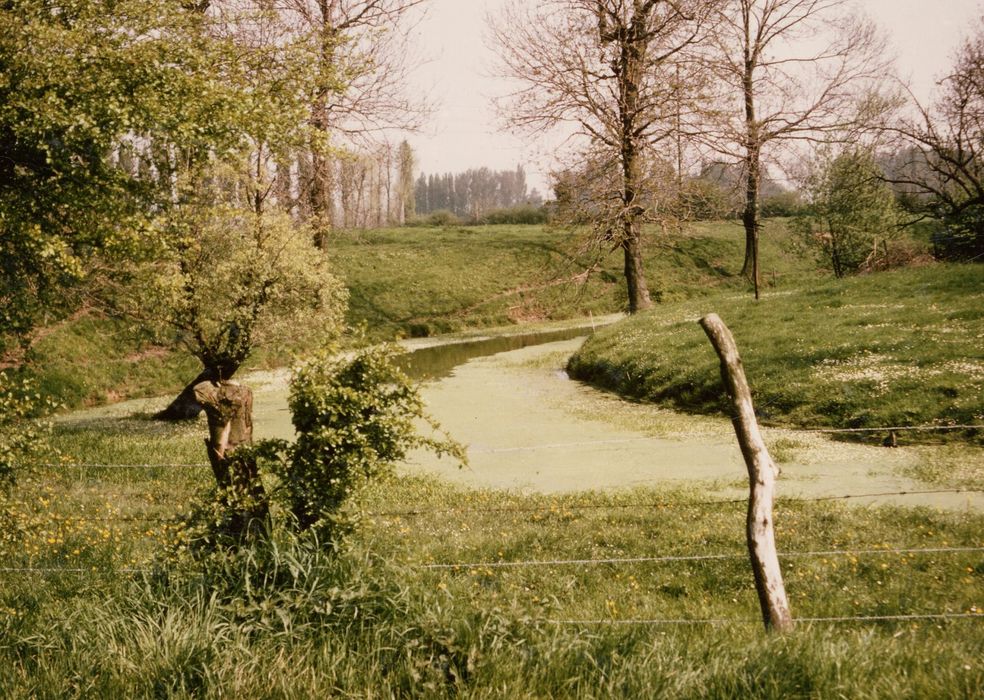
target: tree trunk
750 266
229 408
635 280
631 66
185 406
753 153
762 473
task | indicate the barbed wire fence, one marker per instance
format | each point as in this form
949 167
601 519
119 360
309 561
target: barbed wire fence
464 566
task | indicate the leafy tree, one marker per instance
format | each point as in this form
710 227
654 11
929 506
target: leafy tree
362 50
166 201
84 86
853 212
225 280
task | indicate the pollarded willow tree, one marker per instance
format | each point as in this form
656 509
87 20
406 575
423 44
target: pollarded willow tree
607 69
789 70
219 267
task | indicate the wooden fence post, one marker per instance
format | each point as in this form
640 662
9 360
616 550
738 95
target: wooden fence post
761 478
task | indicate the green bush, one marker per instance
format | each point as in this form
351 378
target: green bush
355 417
524 214
853 214
23 436
441 217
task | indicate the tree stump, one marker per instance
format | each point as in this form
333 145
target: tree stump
229 409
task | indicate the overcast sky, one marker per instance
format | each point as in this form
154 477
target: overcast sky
463 132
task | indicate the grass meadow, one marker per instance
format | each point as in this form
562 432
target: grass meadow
421 282
97 598
441 591
898 348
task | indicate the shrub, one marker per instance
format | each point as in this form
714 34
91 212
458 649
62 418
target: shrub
355 417
441 217
786 203
23 436
523 214
853 213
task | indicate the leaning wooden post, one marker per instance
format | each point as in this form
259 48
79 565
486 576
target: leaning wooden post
761 478
229 409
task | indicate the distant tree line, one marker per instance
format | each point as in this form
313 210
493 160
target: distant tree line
366 187
474 193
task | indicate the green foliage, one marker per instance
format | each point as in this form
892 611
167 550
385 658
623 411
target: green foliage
853 213
23 437
526 215
354 417
229 280
112 113
704 200
83 88
441 217
887 349
785 203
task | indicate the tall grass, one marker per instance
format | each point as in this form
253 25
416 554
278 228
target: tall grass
291 618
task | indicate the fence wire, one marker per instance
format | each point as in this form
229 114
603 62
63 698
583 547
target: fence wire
532 563
695 557
758 621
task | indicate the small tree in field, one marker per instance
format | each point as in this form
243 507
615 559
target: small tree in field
222 278
853 213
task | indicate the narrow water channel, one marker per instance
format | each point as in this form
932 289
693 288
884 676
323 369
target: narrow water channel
527 427
438 361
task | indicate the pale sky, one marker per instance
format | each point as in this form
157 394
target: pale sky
463 132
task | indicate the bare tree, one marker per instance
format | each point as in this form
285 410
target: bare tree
606 69
405 163
362 47
945 159
789 70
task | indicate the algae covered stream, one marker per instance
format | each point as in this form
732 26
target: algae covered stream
528 427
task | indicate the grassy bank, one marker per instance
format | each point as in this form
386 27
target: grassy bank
375 622
429 281
890 349
418 282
